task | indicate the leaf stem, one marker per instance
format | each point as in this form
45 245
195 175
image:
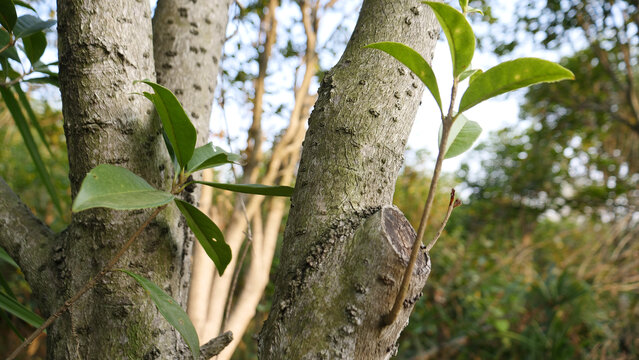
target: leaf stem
88 286
447 123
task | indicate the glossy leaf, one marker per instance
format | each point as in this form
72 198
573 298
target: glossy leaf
20 311
23 4
205 231
24 101
509 76
4 256
23 128
34 46
462 135
179 129
414 62
208 156
28 25
171 311
9 52
470 73
117 188
256 189
459 33
8 16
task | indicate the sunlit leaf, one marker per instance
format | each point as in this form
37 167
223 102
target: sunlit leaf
208 156
205 231
179 129
469 73
117 188
23 128
8 14
462 136
20 311
414 62
34 46
459 33
256 189
28 25
171 311
509 76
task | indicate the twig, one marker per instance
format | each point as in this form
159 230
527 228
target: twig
453 203
88 286
216 345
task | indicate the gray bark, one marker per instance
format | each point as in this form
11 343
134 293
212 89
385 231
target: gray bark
336 264
104 47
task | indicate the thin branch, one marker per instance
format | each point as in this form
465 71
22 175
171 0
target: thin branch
88 286
216 345
452 204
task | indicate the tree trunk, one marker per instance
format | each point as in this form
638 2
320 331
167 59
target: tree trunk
344 248
104 47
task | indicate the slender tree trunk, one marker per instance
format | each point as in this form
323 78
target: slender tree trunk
104 47
344 248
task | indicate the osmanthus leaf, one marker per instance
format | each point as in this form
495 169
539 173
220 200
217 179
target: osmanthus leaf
177 126
28 25
117 188
171 311
23 4
414 62
462 135
29 141
208 156
256 189
8 16
509 76
11 305
459 33
34 46
9 52
205 231
470 73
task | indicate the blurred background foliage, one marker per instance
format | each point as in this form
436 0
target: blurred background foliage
542 261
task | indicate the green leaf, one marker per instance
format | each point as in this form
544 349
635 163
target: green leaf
469 73
205 231
23 127
34 46
3 315
171 311
31 114
414 62
11 51
117 188
463 4
257 189
176 123
6 258
459 33
23 4
509 76
20 311
28 25
462 135
208 156
8 14
51 80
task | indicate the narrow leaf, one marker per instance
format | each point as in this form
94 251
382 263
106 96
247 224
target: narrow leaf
459 33
462 135
509 76
8 14
171 311
208 156
468 73
257 189
176 123
31 114
20 311
51 80
117 188
6 258
414 62
23 4
3 315
23 127
28 25
205 231
34 46
9 52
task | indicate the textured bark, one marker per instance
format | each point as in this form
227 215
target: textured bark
352 154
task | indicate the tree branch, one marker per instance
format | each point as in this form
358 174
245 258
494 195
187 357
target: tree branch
22 234
216 345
